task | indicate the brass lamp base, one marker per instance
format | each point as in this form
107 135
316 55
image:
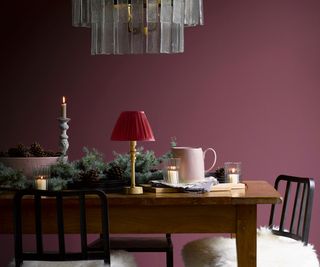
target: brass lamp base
137 190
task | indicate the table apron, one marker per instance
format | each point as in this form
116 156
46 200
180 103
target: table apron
143 219
174 219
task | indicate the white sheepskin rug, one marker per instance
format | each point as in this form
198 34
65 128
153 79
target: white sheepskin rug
272 251
119 258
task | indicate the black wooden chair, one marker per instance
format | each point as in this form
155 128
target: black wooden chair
293 220
162 244
283 243
61 255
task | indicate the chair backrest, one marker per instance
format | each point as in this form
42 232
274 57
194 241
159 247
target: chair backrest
59 198
295 212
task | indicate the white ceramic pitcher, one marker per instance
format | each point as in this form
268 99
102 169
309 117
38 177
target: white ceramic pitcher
192 163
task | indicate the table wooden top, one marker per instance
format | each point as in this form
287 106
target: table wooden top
256 192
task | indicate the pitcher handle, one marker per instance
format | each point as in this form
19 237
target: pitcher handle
215 158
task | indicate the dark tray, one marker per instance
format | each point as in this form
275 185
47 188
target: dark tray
108 186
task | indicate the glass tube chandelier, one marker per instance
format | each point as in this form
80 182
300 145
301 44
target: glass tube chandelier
136 26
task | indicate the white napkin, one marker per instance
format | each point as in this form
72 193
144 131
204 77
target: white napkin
201 186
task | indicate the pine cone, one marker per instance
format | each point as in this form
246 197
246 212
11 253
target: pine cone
89 176
49 153
115 172
19 151
219 174
4 154
13 152
37 150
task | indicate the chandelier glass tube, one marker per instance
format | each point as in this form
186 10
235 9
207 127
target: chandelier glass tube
137 26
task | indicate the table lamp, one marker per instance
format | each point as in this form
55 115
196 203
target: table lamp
132 126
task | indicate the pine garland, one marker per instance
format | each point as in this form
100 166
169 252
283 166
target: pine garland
90 167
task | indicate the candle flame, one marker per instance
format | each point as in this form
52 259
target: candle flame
172 168
63 100
233 170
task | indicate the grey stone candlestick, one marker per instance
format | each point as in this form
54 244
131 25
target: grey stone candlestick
64 144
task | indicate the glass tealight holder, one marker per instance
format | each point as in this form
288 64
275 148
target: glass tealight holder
171 167
232 172
41 178
41 183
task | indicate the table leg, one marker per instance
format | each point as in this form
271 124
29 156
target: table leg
246 236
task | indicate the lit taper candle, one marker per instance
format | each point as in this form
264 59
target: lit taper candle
64 108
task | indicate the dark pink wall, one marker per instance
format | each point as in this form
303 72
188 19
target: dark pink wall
247 85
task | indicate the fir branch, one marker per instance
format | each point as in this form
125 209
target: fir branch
92 160
10 178
57 184
64 171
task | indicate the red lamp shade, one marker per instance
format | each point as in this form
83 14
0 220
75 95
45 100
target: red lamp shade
132 126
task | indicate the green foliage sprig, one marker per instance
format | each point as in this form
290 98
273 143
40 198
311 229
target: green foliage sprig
10 178
63 173
92 160
146 167
169 154
63 170
57 184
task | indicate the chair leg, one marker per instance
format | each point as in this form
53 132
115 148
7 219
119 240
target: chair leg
169 256
17 263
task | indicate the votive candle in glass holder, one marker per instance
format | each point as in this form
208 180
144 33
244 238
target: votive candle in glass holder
41 178
171 170
41 182
232 171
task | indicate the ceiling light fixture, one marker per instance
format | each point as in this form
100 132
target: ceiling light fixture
137 26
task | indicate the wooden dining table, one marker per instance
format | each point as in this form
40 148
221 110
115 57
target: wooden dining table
227 211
